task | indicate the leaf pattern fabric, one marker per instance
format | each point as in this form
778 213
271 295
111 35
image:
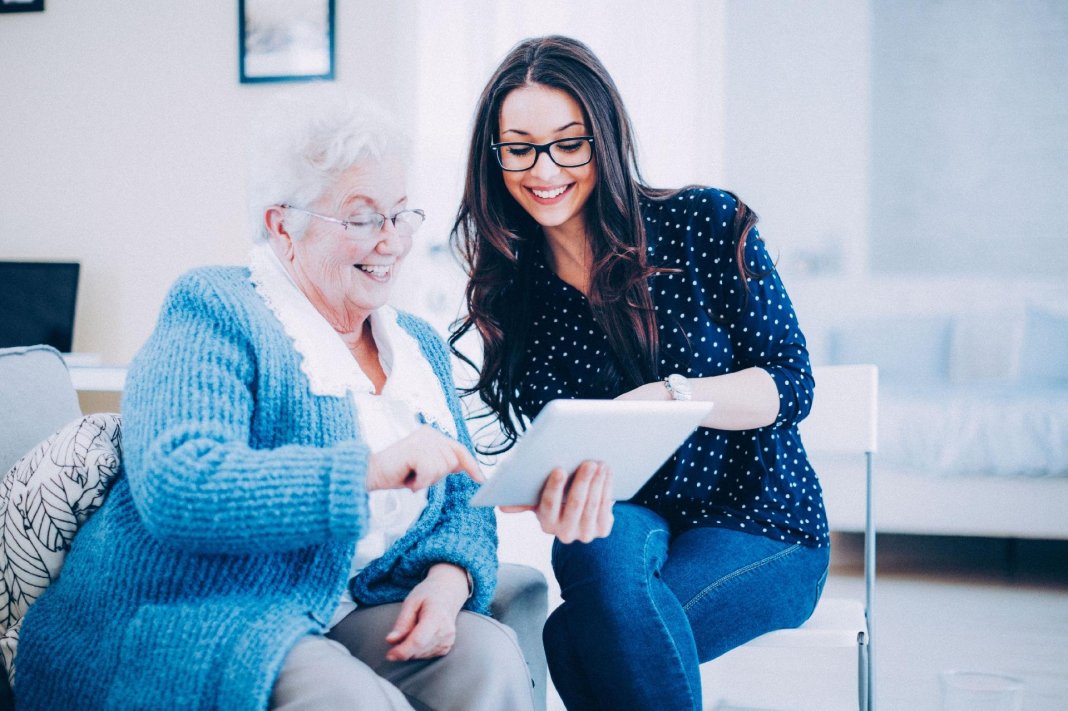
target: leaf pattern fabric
44 499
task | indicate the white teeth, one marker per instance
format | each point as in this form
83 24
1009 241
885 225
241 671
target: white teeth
375 269
548 194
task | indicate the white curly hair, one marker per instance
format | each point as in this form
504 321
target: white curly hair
306 138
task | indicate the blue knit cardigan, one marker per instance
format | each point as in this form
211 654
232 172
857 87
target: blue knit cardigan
231 534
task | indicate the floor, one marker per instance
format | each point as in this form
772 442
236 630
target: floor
974 604
945 603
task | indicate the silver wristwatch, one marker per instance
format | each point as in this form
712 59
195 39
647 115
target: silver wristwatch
678 386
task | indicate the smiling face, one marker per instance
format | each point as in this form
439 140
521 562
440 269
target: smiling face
553 196
347 278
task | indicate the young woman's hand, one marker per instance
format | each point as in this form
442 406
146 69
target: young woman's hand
577 507
426 625
650 391
419 460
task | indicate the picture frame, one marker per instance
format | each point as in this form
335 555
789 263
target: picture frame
285 40
21 6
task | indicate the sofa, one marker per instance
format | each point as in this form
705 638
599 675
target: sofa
39 399
973 404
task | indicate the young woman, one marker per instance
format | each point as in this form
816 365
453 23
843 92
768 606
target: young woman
586 283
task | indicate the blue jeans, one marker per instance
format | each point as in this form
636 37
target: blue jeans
643 608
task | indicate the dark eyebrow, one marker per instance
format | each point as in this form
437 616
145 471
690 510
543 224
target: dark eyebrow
562 128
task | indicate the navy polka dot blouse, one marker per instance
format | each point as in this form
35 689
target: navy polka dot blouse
711 323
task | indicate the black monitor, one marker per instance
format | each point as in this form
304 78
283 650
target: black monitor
37 303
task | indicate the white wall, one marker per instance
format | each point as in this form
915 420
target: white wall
122 144
123 141
905 158
122 128
970 138
798 129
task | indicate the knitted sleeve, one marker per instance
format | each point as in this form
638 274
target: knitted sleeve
197 482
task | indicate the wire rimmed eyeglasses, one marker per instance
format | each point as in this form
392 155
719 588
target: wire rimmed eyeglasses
367 225
517 156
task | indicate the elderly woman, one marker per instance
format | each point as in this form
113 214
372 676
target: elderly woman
292 530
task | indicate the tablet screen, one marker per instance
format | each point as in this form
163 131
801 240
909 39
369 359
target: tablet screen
633 437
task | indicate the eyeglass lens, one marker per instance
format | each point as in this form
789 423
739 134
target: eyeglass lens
566 153
406 222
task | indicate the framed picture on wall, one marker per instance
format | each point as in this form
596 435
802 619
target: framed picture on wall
21 5
285 40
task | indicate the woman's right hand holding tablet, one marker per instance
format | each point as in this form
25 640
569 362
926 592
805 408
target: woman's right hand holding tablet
576 507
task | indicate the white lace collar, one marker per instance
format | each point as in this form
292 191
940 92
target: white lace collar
325 359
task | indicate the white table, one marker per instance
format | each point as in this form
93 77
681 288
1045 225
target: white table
98 378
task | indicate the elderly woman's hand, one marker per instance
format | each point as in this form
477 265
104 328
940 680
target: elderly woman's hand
426 625
577 507
419 460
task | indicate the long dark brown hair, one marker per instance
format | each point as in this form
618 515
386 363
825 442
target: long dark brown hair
499 241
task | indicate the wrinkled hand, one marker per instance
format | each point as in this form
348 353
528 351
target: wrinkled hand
577 507
426 625
420 460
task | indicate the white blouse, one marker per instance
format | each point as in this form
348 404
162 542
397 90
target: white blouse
411 395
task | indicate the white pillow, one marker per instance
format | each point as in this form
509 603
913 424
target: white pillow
44 499
1044 355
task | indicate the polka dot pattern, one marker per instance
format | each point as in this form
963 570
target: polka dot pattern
710 322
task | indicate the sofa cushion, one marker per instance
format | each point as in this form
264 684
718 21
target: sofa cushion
44 499
1044 355
980 430
38 399
906 348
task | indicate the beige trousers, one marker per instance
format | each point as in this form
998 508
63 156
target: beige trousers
347 669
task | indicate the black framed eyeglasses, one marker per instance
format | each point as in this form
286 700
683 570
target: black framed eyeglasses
367 225
515 156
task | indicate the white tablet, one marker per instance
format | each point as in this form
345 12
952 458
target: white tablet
633 437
